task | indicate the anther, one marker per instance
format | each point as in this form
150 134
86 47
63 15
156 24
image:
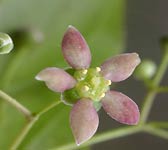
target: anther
108 82
84 71
102 95
98 69
86 88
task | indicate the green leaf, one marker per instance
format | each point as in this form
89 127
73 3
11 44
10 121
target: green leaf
101 23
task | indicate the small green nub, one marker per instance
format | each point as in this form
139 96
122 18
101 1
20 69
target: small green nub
70 96
6 43
145 70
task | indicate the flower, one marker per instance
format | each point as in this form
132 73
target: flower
87 89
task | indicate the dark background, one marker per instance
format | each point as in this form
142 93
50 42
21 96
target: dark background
146 23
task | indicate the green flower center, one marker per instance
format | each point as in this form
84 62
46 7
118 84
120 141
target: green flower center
90 84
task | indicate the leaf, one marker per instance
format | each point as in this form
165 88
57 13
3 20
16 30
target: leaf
102 26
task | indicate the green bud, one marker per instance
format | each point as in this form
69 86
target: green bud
6 43
70 96
145 70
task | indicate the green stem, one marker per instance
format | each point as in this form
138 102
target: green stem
162 89
17 105
152 93
49 107
159 124
121 132
23 133
28 126
156 131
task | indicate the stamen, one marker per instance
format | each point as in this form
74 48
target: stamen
102 95
108 82
98 69
86 88
84 71
91 83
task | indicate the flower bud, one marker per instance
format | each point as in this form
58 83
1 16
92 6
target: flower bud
145 70
6 43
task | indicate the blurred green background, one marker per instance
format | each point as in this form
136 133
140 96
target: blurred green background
37 27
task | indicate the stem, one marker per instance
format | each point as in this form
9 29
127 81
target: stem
17 105
159 124
23 133
162 89
28 126
156 131
49 107
121 132
152 93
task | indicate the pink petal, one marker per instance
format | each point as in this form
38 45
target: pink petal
84 120
75 49
56 79
120 67
121 108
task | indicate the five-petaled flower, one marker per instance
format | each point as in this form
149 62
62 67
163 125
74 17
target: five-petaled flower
87 89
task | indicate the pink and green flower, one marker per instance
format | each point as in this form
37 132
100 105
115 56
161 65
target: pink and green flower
87 89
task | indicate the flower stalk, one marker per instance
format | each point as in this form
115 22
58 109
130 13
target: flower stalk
155 83
28 126
109 135
26 112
